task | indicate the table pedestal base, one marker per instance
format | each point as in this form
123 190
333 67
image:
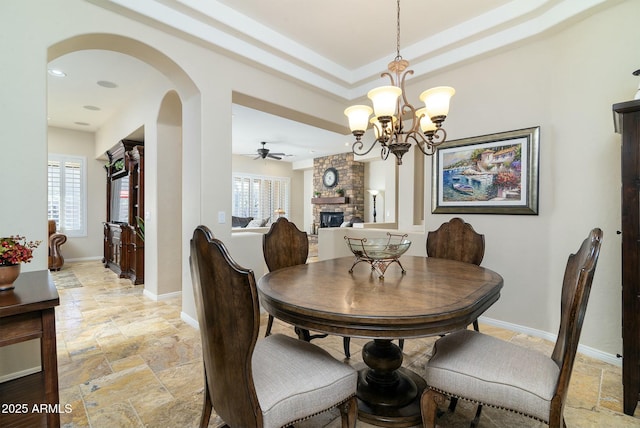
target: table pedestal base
407 415
388 395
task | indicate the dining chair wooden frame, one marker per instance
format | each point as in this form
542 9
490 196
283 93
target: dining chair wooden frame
457 240
251 382
284 245
506 375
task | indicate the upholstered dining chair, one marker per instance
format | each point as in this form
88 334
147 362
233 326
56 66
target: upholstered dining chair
284 245
272 382
489 371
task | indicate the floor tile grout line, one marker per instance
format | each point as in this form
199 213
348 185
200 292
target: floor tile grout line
136 412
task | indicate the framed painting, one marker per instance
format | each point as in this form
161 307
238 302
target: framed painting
490 174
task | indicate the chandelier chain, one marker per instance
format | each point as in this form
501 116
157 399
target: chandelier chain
398 32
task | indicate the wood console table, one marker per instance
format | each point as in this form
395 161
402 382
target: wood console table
27 313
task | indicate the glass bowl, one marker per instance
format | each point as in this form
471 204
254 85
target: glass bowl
379 252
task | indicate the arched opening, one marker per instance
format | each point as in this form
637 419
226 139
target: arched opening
165 143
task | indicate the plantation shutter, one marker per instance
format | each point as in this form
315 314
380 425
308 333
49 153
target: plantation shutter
66 201
259 196
54 201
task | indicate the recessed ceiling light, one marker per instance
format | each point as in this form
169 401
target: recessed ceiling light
106 84
82 123
56 73
94 108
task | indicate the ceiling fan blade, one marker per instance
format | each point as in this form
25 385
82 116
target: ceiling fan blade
273 156
278 154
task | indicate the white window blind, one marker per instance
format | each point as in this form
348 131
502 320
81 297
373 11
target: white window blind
259 196
67 194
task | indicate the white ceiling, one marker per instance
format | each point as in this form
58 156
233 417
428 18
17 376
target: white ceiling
338 46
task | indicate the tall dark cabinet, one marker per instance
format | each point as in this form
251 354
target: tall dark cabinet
628 124
124 228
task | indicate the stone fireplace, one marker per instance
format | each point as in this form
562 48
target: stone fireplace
338 207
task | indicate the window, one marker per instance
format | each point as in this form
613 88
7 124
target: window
258 197
67 196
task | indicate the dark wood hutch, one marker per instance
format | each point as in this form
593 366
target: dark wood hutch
628 124
124 228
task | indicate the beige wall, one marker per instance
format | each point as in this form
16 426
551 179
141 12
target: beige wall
564 83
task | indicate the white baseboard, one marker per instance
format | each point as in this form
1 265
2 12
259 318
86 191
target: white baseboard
161 297
189 320
585 350
19 374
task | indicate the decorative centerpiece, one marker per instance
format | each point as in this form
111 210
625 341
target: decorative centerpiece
14 250
380 252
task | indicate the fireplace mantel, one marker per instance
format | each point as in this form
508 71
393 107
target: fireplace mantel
331 200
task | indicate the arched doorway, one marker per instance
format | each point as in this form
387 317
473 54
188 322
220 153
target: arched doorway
164 124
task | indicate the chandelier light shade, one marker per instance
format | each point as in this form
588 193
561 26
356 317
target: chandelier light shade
396 122
358 117
436 102
385 100
426 125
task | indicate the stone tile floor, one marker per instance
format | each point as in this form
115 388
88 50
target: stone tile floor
127 361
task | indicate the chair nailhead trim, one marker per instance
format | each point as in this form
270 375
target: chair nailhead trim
317 413
450 395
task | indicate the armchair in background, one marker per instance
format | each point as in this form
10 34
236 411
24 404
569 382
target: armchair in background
55 242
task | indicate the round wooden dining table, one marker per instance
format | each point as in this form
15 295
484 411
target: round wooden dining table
434 296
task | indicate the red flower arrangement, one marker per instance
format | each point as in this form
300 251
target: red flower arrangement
16 249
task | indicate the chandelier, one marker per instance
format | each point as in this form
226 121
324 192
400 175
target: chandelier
394 135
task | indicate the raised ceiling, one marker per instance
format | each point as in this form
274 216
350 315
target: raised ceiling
338 46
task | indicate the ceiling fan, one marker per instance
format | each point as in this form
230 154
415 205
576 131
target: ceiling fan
265 153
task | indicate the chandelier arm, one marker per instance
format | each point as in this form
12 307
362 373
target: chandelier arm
426 143
439 136
404 93
418 120
416 137
390 76
415 126
360 145
384 152
430 148
386 133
